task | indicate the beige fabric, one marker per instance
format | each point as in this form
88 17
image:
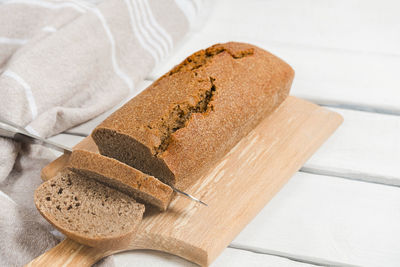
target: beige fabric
63 62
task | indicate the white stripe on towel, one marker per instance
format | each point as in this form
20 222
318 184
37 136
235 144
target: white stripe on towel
6 40
138 35
142 27
46 4
27 89
188 9
160 30
103 21
150 28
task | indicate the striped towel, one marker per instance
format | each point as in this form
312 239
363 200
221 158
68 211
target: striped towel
63 62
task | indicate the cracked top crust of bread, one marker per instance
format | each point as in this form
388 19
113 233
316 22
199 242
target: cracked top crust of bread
184 122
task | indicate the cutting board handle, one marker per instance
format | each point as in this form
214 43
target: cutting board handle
69 253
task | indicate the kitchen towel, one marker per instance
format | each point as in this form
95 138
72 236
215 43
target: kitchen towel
61 64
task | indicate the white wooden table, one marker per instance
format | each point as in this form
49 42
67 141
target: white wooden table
343 207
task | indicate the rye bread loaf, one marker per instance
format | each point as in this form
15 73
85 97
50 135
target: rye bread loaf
88 211
189 118
144 188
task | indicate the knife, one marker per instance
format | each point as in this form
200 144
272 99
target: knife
11 130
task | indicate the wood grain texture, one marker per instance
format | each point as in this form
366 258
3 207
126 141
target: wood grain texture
69 253
236 189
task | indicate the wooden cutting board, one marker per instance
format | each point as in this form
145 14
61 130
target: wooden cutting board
236 189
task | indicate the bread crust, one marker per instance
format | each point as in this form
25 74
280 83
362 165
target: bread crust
188 119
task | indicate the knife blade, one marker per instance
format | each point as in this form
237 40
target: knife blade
11 130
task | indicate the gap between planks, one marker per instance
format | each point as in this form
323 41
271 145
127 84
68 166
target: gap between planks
292 257
352 175
356 107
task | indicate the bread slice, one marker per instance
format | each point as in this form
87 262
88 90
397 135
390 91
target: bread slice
144 188
88 211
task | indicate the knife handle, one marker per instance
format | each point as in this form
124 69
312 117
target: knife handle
69 253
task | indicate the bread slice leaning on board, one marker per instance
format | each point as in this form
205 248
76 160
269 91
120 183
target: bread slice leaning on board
144 188
175 131
188 119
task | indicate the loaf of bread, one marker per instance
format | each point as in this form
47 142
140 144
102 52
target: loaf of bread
189 118
144 188
88 211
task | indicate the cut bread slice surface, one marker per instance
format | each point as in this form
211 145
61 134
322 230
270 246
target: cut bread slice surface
89 212
144 188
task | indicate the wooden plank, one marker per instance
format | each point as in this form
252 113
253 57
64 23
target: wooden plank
229 257
342 24
317 71
328 220
332 70
261 163
366 147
